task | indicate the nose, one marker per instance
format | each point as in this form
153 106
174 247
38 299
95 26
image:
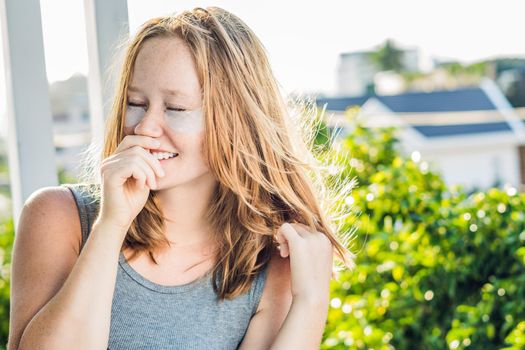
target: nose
151 123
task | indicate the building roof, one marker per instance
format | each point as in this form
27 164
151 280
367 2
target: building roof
458 100
461 129
341 103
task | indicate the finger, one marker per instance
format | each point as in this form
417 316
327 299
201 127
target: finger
307 232
135 166
142 183
153 162
150 164
302 229
283 247
122 171
140 179
290 234
285 250
137 140
151 180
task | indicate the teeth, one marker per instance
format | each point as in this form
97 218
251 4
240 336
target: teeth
163 155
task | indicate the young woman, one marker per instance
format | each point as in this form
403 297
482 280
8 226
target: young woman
200 227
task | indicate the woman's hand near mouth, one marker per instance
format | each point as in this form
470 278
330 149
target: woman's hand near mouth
127 178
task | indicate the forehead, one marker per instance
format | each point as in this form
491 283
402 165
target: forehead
166 63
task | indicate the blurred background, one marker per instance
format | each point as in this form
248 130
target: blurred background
427 98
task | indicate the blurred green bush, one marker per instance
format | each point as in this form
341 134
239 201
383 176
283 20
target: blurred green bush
437 268
6 244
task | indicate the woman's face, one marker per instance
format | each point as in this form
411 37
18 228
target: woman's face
164 102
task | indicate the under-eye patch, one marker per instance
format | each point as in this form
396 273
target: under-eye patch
178 121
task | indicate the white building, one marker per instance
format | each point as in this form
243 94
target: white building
472 136
356 72
71 121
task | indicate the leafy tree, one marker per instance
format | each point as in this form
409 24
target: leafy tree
388 57
437 268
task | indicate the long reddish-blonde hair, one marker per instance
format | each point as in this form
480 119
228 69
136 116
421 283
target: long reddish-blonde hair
260 152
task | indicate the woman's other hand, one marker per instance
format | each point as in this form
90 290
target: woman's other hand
311 259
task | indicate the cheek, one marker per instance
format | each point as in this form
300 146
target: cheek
195 143
202 150
185 122
133 117
199 141
193 146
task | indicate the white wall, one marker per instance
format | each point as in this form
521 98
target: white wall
477 166
354 72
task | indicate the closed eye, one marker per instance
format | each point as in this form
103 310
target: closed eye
132 104
175 109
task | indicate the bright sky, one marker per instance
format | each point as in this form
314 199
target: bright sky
304 37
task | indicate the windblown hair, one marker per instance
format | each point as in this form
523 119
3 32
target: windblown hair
258 149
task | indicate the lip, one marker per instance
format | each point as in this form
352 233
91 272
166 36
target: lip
160 150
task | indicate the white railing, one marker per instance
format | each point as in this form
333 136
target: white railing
31 151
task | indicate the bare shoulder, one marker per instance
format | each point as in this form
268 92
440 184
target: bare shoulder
55 195
277 290
54 207
46 247
273 308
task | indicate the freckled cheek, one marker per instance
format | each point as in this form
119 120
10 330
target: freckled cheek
132 117
192 147
187 144
202 150
200 144
187 122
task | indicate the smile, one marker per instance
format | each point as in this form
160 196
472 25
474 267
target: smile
164 155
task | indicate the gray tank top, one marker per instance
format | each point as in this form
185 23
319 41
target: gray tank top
147 315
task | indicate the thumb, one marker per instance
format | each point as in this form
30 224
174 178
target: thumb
290 234
283 244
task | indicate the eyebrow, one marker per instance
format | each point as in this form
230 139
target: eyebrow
166 91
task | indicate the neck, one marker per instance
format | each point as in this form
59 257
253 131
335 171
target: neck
184 208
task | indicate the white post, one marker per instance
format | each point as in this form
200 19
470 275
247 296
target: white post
106 25
30 150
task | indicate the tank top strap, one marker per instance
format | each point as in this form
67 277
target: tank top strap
257 289
87 205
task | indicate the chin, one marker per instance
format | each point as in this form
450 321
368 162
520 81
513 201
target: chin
198 180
